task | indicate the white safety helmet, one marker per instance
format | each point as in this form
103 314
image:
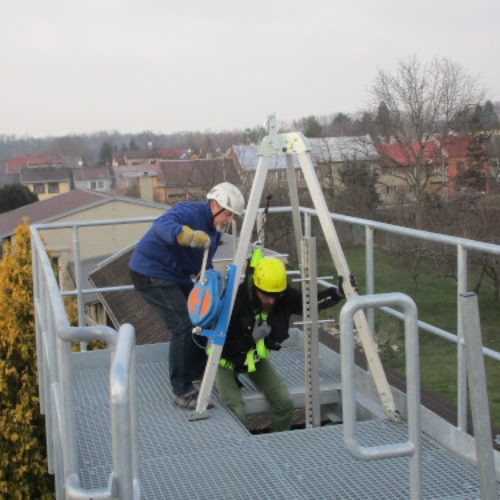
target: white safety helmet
228 196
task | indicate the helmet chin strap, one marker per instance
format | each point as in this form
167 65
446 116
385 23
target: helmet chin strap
217 213
220 227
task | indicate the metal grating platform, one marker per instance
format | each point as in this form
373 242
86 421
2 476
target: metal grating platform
218 458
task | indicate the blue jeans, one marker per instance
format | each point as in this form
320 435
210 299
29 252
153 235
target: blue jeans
186 358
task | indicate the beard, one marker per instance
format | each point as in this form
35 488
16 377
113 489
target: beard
222 228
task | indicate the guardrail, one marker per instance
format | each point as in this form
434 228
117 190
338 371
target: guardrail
411 447
461 245
54 339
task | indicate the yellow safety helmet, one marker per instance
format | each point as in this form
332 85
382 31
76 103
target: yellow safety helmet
270 275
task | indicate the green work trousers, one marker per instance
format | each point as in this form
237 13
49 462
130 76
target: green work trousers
269 381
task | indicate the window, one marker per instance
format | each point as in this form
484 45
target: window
300 174
281 175
39 188
460 167
392 189
92 185
100 184
53 187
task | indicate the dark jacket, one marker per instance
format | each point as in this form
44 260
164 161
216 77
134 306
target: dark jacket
239 336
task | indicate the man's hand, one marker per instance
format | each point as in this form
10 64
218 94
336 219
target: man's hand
194 239
260 331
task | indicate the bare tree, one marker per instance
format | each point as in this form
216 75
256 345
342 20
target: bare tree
420 103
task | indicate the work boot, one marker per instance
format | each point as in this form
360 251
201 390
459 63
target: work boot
189 400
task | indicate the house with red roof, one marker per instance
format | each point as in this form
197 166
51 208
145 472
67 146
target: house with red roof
463 155
138 157
442 164
15 164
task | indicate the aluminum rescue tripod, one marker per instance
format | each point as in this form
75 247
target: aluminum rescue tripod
290 144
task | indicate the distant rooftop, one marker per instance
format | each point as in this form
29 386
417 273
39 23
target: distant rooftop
323 149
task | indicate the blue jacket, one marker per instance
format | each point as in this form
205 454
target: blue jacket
158 255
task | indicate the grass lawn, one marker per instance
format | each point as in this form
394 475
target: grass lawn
436 302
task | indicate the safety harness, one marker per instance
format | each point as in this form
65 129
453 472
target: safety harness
254 355
260 351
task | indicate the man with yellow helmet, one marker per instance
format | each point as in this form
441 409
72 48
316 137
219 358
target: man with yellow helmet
259 323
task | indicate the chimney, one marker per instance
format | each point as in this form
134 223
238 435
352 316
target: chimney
146 190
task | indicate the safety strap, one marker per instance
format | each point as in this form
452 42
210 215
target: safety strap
260 351
225 363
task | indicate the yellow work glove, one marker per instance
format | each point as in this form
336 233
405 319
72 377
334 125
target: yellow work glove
190 238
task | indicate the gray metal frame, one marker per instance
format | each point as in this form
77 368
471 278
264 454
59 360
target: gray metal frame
295 144
478 393
54 339
461 246
412 446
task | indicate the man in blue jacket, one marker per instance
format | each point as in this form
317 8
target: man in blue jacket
162 268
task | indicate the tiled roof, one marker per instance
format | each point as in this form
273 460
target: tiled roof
44 174
90 173
175 173
172 154
404 155
14 164
61 205
48 209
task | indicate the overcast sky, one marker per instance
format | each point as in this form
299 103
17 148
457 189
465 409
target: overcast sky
82 66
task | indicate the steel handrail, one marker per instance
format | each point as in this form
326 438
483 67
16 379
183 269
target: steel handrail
411 447
55 337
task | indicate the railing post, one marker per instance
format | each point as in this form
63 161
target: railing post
370 273
124 415
78 279
461 361
478 395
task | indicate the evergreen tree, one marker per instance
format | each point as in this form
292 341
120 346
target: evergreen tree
132 145
381 122
23 462
14 196
341 125
312 127
105 154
